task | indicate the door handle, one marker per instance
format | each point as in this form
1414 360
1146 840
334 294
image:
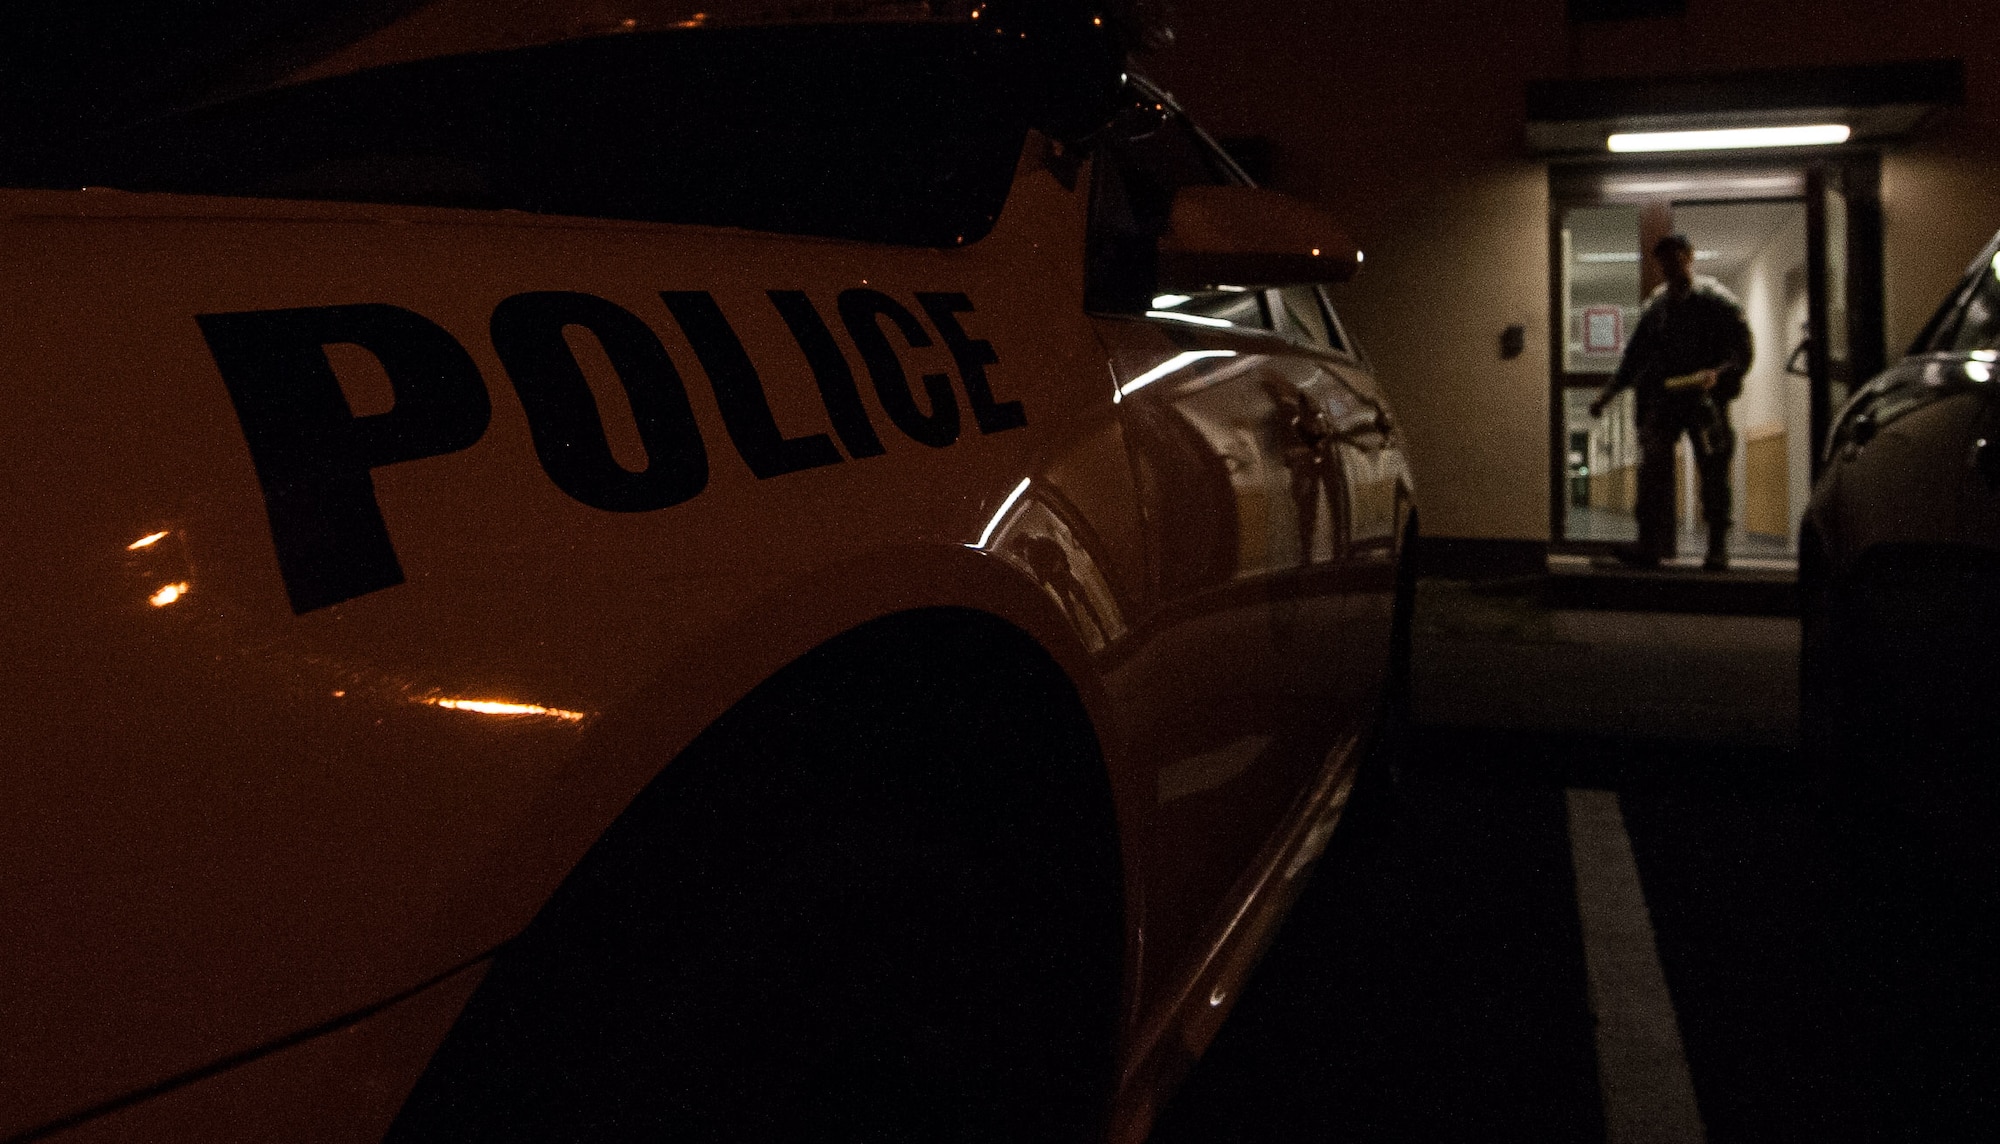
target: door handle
1313 426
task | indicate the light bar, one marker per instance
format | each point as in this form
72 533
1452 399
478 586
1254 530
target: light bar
1813 135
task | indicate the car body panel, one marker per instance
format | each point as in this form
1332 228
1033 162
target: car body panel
340 1087
1892 490
364 809
1900 578
1903 459
232 817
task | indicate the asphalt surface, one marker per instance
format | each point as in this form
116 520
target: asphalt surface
1824 980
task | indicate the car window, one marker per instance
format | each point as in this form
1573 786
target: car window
1343 338
1975 321
1135 176
1237 307
894 133
1300 316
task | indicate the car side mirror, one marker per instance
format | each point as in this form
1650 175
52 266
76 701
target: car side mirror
1248 236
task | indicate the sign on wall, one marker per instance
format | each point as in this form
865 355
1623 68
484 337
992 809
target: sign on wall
1603 330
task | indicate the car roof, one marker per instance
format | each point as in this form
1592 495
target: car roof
440 28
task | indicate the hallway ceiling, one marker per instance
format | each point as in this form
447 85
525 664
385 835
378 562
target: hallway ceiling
1736 231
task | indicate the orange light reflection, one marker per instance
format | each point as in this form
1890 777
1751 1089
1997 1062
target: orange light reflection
501 707
168 594
145 542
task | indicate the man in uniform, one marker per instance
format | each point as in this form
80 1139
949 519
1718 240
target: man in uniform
1687 359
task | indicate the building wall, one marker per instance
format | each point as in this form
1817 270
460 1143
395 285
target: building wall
1407 119
1483 230
1773 416
1940 204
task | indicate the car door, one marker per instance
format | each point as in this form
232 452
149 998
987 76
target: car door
1227 686
1363 505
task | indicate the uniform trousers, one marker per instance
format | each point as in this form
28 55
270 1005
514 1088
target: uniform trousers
1714 445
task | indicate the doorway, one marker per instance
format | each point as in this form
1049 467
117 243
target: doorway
1782 239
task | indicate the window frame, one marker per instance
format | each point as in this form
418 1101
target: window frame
1944 335
1228 172
1350 348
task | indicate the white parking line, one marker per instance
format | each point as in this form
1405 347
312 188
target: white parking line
1642 1069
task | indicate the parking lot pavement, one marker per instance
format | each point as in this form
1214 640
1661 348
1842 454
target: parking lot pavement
1435 982
1429 985
1502 659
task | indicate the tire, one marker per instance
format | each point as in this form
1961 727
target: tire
878 901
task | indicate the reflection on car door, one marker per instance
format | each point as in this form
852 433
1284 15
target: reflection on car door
1222 683
1231 685
1378 477
1364 505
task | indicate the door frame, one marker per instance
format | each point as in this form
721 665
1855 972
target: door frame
1853 173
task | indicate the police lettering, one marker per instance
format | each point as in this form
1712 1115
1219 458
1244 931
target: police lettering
861 311
973 357
314 457
563 417
830 371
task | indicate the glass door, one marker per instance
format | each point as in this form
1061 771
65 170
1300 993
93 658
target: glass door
1600 277
1799 246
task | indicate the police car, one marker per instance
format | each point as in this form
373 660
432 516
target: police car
1900 576
633 578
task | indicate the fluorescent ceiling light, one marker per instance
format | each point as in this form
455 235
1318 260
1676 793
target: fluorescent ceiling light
1817 134
1670 186
1633 256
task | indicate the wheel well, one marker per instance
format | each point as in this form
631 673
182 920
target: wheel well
942 752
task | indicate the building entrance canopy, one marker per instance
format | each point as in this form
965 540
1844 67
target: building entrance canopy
1878 103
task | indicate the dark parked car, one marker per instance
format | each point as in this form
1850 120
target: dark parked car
1900 574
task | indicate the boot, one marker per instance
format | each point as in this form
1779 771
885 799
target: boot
1717 559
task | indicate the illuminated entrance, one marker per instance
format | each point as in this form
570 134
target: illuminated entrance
1775 177
1783 238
